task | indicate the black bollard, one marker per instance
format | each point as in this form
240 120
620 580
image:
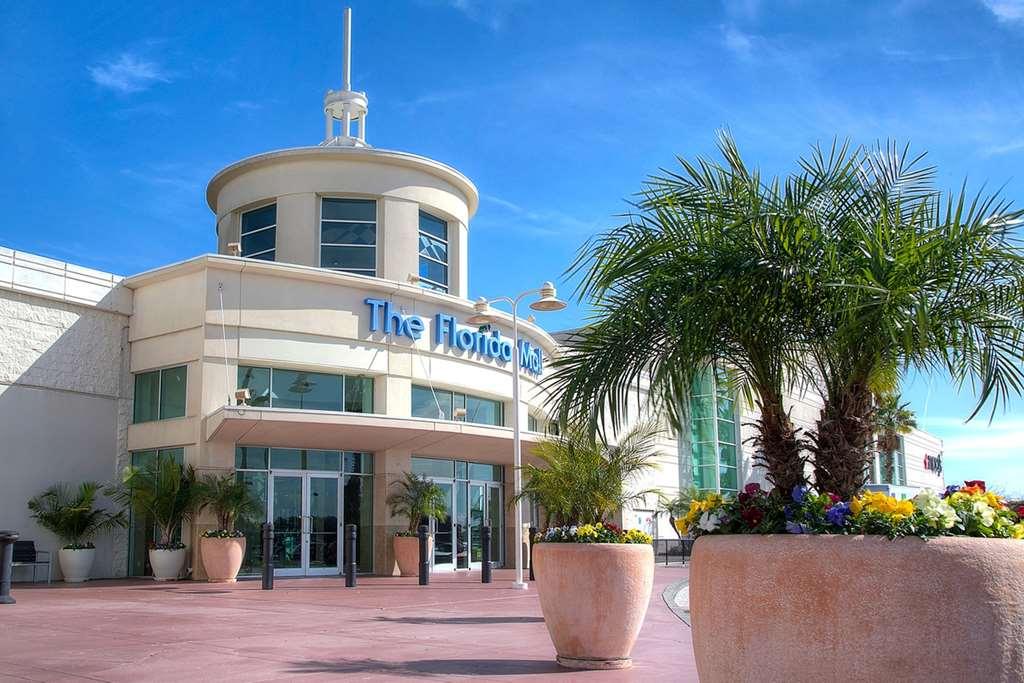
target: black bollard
533 535
424 559
350 553
268 556
7 539
485 566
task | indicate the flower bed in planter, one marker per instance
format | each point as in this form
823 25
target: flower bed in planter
222 552
594 584
825 595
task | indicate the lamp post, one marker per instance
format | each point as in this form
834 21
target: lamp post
482 315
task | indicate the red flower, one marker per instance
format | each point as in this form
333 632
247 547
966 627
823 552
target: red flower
834 498
1020 512
752 516
975 483
752 488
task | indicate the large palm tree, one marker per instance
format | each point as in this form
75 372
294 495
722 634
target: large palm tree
700 275
584 478
908 277
72 515
161 489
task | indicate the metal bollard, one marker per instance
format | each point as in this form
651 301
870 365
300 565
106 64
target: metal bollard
350 553
268 556
485 565
533 535
424 560
7 539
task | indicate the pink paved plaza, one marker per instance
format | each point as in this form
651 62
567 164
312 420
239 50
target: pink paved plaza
310 629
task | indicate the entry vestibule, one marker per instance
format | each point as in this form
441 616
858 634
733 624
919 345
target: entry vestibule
309 496
473 499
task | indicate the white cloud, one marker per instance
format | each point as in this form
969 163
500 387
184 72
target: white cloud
1008 11
490 13
544 222
738 42
1006 148
128 74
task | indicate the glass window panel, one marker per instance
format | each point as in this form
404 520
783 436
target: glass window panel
306 390
359 394
425 405
482 472
706 477
358 510
701 407
256 482
348 233
433 467
703 430
727 478
702 383
323 460
358 463
265 256
251 458
434 271
461 469
483 411
172 392
531 423
344 258
147 397
286 459
258 241
257 381
349 209
726 408
433 287
703 454
727 455
435 249
434 226
726 431
259 218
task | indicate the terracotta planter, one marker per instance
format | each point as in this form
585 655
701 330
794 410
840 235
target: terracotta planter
167 564
857 608
407 554
594 598
76 565
222 558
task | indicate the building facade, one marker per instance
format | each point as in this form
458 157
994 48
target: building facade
337 303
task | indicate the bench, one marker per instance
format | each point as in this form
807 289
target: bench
26 555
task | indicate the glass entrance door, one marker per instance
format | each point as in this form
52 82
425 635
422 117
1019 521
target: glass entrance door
304 510
444 532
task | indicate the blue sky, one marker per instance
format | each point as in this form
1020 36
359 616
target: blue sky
117 114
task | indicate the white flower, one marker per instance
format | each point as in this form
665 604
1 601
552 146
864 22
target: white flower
572 531
988 515
709 521
935 509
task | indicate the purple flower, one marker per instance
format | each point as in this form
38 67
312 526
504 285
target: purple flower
799 493
788 511
950 490
796 528
838 513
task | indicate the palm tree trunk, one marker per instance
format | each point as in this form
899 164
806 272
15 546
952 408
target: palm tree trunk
779 447
842 442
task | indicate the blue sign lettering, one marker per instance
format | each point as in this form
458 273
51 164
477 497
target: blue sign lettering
447 332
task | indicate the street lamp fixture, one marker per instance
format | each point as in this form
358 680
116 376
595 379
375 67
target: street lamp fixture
483 315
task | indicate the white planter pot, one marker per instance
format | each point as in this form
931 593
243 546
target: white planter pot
167 564
75 565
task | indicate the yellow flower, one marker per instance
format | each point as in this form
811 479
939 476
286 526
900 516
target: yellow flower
1017 531
856 505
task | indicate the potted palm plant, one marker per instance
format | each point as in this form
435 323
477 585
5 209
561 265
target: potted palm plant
416 498
844 275
73 518
593 580
165 492
223 549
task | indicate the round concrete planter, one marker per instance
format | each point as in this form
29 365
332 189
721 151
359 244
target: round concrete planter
222 558
407 554
594 597
75 565
167 564
857 608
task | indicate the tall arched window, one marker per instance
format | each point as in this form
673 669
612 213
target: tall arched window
713 434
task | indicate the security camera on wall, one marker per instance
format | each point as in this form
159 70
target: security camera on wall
242 397
235 248
459 414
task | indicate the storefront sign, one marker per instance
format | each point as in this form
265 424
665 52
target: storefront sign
448 333
933 463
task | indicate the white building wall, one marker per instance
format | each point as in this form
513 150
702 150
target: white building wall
64 397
